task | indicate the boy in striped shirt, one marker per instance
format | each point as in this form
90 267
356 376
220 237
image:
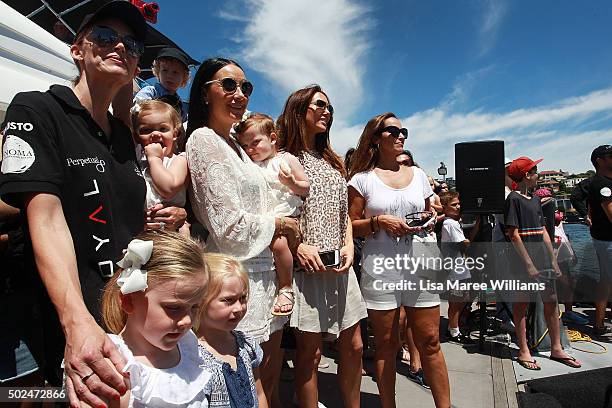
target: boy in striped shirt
532 260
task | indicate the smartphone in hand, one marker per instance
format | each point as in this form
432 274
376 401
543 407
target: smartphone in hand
330 258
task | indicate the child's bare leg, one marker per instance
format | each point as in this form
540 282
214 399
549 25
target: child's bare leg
551 315
454 310
283 260
519 310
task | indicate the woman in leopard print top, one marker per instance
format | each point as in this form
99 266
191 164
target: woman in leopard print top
328 300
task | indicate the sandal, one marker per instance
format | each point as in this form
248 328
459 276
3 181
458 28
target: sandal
288 294
568 361
405 357
526 364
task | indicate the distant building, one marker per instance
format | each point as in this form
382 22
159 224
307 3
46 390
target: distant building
552 185
547 175
572 182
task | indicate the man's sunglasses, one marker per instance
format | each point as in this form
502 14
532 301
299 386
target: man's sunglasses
394 131
321 104
107 37
230 85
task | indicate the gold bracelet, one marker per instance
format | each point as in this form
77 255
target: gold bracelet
282 226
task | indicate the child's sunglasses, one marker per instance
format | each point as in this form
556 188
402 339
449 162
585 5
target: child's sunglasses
230 85
394 131
321 104
106 37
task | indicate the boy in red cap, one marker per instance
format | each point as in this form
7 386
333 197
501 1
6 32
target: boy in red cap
533 260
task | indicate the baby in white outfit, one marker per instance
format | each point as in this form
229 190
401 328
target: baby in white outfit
288 183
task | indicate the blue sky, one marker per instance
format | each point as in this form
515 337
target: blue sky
536 74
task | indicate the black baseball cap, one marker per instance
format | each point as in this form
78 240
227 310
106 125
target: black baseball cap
174 53
119 10
601 151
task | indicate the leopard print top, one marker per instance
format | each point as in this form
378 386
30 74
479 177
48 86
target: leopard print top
325 213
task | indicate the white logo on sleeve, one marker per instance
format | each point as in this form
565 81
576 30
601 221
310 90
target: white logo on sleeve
606 192
17 155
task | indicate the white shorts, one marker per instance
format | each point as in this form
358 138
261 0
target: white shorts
378 297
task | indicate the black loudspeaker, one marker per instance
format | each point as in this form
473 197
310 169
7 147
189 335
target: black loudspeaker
479 169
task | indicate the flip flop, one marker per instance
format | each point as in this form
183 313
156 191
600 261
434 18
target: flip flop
567 361
288 294
525 364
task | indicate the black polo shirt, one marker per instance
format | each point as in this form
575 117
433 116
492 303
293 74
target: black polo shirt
600 191
52 145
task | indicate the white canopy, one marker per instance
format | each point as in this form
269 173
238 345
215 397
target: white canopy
30 57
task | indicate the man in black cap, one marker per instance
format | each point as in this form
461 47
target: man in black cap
600 206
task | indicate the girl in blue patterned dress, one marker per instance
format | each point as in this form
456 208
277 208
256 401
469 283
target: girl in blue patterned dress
231 356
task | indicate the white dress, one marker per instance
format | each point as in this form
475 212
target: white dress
180 386
230 197
283 202
153 198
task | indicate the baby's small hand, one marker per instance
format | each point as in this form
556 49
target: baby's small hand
154 150
286 178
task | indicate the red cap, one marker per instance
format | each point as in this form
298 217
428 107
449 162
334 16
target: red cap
520 166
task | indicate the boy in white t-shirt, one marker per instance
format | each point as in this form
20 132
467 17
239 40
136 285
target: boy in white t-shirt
454 244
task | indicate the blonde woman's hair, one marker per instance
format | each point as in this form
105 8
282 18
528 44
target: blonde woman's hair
221 267
174 256
142 107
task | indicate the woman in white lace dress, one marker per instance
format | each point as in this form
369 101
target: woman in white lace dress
327 300
229 197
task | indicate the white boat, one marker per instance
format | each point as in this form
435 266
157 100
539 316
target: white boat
30 57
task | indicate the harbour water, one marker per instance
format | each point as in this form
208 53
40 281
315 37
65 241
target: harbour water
586 258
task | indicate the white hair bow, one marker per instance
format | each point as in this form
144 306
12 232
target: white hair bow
133 278
136 108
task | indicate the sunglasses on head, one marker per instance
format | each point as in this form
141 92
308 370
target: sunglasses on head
107 37
394 131
230 85
321 104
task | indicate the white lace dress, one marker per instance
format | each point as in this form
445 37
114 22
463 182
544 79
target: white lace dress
230 197
180 386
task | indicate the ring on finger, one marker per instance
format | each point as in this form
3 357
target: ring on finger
86 377
162 226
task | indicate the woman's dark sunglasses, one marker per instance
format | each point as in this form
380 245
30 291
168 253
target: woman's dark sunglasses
106 37
394 131
321 104
230 85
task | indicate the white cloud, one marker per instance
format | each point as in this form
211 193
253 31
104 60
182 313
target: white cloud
492 16
550 131
463 86
296 43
